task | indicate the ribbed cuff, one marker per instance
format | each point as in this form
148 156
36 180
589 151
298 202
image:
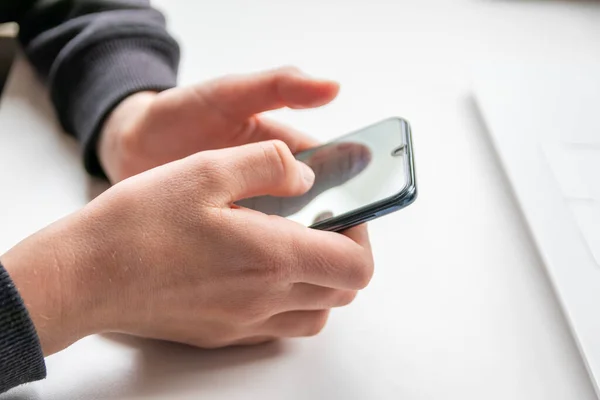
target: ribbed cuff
21 357
105 74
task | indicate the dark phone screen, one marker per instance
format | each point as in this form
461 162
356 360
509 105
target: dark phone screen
351 172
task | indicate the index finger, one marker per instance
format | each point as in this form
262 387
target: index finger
339 261
245 95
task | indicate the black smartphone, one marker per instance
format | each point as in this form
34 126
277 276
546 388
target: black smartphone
359 177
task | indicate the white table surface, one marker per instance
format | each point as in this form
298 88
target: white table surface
460 306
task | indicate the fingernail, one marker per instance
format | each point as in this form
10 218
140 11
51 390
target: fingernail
307 173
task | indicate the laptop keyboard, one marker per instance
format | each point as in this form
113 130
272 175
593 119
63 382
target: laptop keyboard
577 170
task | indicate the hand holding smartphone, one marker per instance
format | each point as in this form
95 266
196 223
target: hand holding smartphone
358 177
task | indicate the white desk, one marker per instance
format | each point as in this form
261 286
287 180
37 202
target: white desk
463 311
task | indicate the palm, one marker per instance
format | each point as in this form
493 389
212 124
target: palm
225 113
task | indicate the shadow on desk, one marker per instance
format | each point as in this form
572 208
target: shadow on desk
164 367
160 370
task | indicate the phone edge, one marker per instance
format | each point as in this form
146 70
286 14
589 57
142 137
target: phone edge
395 203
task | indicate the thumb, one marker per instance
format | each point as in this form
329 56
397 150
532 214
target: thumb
333 166
245 95
257 169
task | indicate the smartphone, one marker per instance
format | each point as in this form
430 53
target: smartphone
361 176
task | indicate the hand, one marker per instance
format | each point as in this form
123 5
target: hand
150 129
167 255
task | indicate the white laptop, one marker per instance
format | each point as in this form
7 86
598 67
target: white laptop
544 121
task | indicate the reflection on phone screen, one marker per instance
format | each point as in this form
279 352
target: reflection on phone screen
352 172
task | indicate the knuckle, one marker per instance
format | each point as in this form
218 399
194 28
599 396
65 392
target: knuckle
296 266
258 309
274 152
278 265
252 308
364 272
250 314
279 152
276 273
315 324
214 175
206 168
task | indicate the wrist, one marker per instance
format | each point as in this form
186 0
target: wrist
119 135
51 272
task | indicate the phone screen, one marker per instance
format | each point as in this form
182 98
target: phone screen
352 172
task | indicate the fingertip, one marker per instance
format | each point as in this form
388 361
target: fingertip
303 91
307 174
324 91
333 88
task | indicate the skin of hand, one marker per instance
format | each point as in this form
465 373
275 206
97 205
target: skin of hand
167 254
149 129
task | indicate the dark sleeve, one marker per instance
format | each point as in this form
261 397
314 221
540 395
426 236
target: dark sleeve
94 53
21 358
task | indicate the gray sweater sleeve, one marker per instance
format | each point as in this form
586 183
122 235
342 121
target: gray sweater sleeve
94 53
21 358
